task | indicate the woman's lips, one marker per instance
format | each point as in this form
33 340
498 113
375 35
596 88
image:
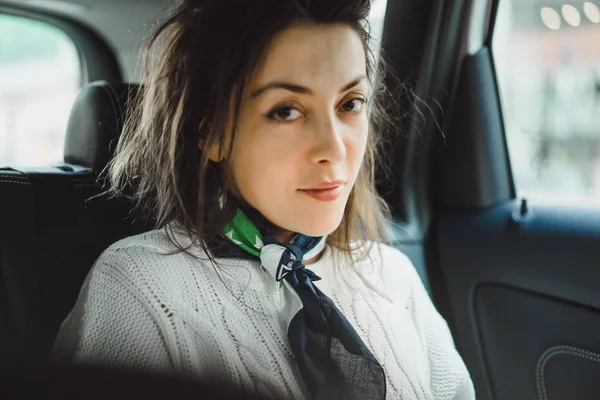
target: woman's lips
328 194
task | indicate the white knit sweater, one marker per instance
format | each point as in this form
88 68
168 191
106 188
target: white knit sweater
144 310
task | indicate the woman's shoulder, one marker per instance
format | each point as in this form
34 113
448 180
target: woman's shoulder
155 255
131 251
151 267
382 256
382 265
387 268
152 241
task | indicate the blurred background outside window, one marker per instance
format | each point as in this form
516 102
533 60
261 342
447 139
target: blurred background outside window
547 56
376 21
40 75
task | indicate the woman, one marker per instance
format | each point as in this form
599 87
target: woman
254 147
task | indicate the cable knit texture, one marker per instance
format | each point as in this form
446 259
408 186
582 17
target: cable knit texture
143 309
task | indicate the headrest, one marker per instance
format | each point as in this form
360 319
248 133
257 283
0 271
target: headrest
95 123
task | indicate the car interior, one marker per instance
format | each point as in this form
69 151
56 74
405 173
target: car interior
510 259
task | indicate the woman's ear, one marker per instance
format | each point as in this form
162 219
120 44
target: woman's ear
215 154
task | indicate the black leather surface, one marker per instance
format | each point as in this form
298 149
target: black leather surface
50 235
518 328
568 372
95 123
53 227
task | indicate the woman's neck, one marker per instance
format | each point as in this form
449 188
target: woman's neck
284 236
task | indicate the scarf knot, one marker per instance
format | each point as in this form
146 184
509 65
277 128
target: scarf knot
292 269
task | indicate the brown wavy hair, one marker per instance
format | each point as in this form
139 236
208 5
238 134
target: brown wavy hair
198 64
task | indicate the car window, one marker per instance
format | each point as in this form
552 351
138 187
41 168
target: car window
547 57
40 76
376 20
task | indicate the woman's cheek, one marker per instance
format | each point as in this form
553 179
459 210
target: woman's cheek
356 148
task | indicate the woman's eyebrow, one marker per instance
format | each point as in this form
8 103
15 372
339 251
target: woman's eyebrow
299 89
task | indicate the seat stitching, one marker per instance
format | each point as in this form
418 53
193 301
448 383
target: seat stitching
11 176
553 351
15 181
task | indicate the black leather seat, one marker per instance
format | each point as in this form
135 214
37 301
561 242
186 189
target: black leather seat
50 233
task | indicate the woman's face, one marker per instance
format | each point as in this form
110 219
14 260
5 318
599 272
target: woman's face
302 129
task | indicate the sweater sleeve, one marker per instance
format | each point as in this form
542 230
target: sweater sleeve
449 377
112 322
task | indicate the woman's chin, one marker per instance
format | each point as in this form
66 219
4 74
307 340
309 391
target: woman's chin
318 227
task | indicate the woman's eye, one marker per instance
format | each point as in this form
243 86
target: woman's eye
285 114
355 105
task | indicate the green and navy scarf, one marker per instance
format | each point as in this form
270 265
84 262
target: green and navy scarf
333 360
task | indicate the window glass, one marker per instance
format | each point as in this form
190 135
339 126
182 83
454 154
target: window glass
547 56
39 78
376 20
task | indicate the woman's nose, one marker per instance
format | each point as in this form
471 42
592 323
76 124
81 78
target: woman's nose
328 142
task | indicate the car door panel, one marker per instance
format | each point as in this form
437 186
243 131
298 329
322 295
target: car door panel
519 286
